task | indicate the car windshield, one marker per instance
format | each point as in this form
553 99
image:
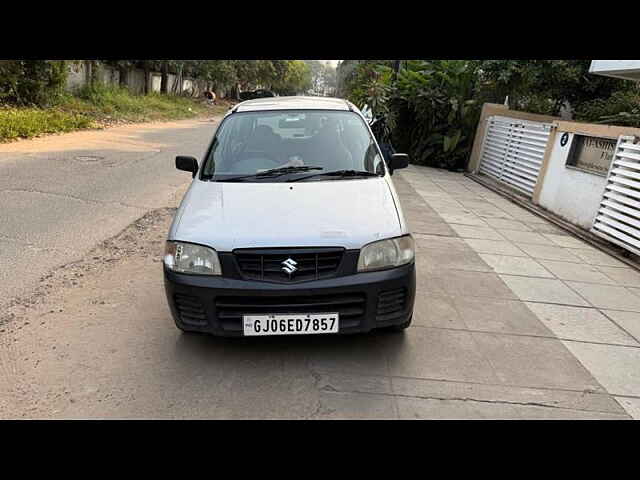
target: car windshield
297 142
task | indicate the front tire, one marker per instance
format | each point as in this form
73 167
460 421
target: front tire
184 331
403 326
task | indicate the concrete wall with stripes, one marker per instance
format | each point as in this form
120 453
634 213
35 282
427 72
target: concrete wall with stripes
77 77
572 194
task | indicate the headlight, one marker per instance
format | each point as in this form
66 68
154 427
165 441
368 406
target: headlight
190 258
392 252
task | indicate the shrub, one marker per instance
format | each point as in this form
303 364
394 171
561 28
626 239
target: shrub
437 111
621 108
100 100
431 109
93 107
371 86
32 82
30 122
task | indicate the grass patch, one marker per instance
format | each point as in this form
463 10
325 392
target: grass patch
31 122
96 108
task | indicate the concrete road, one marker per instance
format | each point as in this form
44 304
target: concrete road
61 195
514 319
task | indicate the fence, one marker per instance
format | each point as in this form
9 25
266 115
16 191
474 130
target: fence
586 174
135 81
513 150
618 218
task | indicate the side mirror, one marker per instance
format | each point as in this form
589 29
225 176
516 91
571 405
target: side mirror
188 164
399 160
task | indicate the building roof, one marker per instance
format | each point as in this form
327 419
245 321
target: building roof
626 69
290 103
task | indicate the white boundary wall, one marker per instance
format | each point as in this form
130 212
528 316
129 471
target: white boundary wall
572 194
575 195
77 77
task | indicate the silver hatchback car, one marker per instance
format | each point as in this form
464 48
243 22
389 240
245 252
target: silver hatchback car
291 226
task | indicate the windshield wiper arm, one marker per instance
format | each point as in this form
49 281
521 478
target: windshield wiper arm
273 172
340 174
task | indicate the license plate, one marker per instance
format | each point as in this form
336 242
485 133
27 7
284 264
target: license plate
290 324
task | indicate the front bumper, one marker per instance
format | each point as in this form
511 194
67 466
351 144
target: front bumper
365 301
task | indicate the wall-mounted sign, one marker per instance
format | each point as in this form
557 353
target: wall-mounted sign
593 154
564 139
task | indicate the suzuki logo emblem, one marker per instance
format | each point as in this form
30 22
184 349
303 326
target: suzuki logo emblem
289 266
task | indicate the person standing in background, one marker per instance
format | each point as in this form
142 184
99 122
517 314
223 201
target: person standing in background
211 96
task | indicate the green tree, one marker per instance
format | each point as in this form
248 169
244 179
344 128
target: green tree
430 109
32 82
316 70
218 73
296 78
329 79
433 106
544 86
437 108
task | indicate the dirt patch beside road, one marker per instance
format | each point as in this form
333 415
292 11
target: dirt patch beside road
79 295
143 238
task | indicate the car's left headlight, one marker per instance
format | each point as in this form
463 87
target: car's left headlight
191 258
382 254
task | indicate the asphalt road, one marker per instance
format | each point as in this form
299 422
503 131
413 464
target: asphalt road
61 195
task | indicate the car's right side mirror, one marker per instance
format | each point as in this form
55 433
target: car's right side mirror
188 164
399 160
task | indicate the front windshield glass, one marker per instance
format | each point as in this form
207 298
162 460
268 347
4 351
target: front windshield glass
251 143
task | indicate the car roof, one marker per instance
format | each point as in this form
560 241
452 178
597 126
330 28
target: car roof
294 103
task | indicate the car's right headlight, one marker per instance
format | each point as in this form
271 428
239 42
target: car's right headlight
382 254
191 258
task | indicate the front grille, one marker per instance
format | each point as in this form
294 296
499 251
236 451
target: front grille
391 304
310 264
190 310
349 306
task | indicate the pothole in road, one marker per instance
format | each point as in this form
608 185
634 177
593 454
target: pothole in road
96 160
88 158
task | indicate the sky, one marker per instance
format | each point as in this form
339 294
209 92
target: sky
334 63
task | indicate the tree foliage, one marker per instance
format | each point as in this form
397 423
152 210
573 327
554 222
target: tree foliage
31 82
323 78
282 76
440 110
545 86
430 108
433 106
40 82
295 78
621 108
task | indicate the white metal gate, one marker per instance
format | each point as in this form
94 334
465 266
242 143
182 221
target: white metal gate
513 150
618 219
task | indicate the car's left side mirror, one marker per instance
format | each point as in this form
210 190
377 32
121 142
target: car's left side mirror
188 164
399 160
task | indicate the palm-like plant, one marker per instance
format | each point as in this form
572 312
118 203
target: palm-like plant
440 110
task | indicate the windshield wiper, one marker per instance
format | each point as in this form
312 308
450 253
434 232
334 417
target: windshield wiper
339 173
272 172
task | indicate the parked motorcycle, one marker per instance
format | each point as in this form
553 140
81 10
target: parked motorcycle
382 132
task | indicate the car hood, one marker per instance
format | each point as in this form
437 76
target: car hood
347 213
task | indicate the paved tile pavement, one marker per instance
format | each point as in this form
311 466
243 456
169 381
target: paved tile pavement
514 318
